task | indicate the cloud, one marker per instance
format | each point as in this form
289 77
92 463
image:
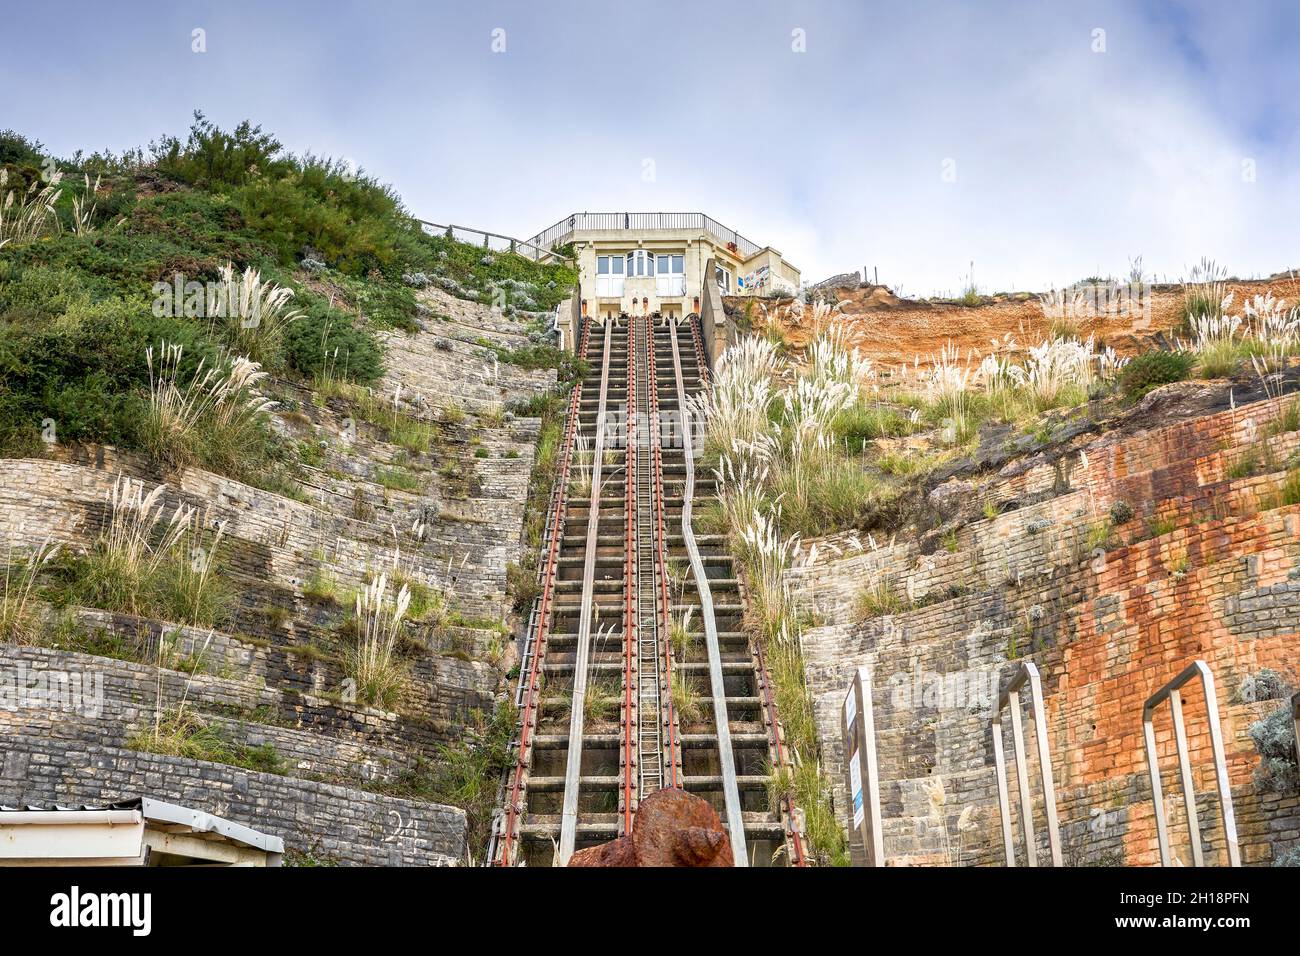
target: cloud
1067 161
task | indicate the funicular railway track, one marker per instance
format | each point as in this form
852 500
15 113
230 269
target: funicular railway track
617 697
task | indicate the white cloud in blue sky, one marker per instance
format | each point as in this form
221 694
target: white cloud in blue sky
1067 160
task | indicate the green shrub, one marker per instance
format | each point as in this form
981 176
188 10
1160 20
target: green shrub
16 149
84 369
569 367
547 284
311 342
1274 738
212 157
861 424
1153 369
385 304
355 223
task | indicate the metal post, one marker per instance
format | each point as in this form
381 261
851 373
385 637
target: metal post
1027 673
717 685
1171 692
1295 719
573 765
867 845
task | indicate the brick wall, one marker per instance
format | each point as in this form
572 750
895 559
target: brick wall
1200 571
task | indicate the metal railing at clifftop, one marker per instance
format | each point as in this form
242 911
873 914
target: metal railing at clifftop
620 221
491 241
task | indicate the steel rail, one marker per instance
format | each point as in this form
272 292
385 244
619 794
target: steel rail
726 759
650 737
656 435
627 759
792 835
528 712
621 221
513 244
700 357
573 763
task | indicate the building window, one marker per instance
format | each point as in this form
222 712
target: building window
640 264
723 277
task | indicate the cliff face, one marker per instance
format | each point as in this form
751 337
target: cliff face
1112 559
267 446
891 331
292 749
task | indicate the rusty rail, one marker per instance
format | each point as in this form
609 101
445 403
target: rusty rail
654 433
528 712
628 759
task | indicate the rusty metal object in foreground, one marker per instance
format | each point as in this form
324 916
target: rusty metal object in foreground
672 828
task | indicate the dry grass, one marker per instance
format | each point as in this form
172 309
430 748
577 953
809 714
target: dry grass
255 311
767 556
877 596
1203 294
373 661
83 208
18 620
682 633
687 702
734 409
154 566
221 406
26 215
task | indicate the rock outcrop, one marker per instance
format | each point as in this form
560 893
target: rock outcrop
672 828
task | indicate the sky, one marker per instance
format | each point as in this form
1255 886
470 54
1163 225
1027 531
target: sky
1026 145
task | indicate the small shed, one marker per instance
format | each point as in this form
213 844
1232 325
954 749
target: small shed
135 832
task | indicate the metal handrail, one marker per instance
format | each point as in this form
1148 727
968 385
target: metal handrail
1171 692
726 758
520 247
624 221
573 761
1295 719
528 691
655 433
631 626
1027 674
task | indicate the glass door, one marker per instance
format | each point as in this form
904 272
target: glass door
609 277
670 275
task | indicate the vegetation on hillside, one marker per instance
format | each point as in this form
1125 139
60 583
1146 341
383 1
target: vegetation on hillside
818 440
173 301
105 256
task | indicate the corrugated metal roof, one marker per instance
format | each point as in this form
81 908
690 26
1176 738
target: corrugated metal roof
133 804
197 821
